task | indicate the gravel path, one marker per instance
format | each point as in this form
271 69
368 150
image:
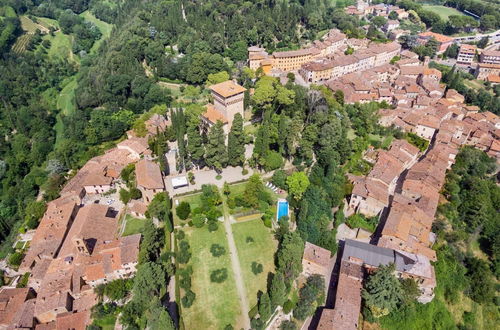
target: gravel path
235 263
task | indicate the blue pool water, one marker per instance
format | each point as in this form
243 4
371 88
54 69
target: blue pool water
282 209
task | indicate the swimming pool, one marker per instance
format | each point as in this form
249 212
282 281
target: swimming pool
282 209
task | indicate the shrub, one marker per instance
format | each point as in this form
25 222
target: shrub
183 255
217 250
180 235
183 210
249 239
244 171
231 202
288 306
213 226
188 299
118 289
15 259
218 275
23 282
185 281
279 179
135 193
257 268
199 220
273 160
124 196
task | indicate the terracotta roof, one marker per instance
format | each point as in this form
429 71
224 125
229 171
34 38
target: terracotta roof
227 88
13 305
368 187
138 145
491 52
293 53
326 321
94 223
213 115
488 66
72 321
317 255
348 297
148 175
493 78
138 207
437 36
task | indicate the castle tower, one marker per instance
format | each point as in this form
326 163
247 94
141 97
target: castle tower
228 101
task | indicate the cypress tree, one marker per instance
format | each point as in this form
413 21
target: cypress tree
216 155
236 142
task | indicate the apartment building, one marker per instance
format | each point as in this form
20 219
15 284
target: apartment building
490 56
466 54
485 70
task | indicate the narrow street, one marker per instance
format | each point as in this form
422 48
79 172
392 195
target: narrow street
235 263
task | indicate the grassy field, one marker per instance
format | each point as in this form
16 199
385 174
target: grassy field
48 22
66 103
133 225
442 11
104 27
216 304
61 45
66 100
261 250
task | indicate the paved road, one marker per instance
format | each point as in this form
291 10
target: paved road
235 263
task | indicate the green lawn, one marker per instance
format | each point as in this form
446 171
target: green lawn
216 304
61 45
66 103
104 27
261 250
107 322
442 11
66 100
133 225
47 22
193 200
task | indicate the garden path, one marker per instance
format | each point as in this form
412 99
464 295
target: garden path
235 263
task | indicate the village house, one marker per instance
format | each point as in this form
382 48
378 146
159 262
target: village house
315 260
443 41
149 179
391 25
136 146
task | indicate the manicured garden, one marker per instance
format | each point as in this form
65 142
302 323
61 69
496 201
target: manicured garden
256 246
216 304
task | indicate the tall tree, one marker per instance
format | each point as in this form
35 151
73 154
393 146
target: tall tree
216 155
383 292
236 142
278 290
265 307
195 146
